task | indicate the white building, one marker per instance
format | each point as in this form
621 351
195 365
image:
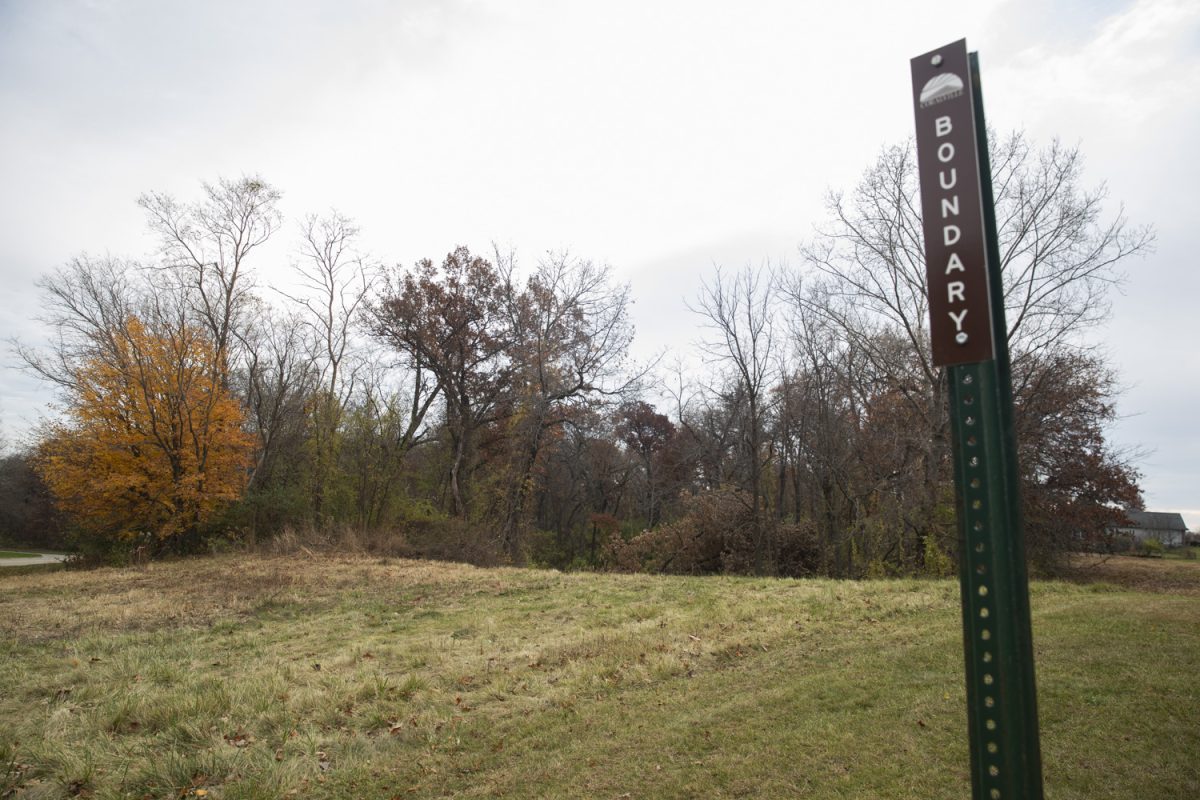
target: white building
1165 526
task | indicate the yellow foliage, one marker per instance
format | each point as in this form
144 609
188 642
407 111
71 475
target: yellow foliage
154 441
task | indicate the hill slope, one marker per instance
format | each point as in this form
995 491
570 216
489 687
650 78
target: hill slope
357 678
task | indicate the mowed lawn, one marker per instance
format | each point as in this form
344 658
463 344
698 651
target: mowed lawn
355 677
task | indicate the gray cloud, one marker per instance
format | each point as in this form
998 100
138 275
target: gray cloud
658 137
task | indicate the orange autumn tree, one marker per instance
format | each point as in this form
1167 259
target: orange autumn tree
154 443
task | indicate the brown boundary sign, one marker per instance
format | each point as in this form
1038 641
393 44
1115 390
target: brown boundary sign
960 320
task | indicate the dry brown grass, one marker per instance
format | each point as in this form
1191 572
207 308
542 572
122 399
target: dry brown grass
1158 575
195 592
254 677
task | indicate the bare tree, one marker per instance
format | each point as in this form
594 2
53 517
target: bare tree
1060 255
205 246
85 304
335 280
738 314
276 386
818 422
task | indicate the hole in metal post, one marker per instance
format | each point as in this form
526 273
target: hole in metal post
983 591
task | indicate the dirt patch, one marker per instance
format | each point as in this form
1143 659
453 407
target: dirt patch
1161 575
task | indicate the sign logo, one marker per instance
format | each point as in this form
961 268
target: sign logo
939 88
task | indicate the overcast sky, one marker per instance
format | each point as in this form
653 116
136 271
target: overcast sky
659 137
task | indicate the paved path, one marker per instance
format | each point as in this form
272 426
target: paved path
42 558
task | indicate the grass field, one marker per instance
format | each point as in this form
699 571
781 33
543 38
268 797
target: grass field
349 677
16 554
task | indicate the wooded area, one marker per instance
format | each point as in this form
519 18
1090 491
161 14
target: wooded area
479 408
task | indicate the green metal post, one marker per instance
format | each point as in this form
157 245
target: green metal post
998 642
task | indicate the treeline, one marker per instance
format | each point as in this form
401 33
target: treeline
475 407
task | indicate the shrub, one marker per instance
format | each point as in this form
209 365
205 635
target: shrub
1151 548
937 563
799 549
715 534
437 538
449 539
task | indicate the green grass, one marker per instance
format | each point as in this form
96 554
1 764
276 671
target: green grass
15 554
356 678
